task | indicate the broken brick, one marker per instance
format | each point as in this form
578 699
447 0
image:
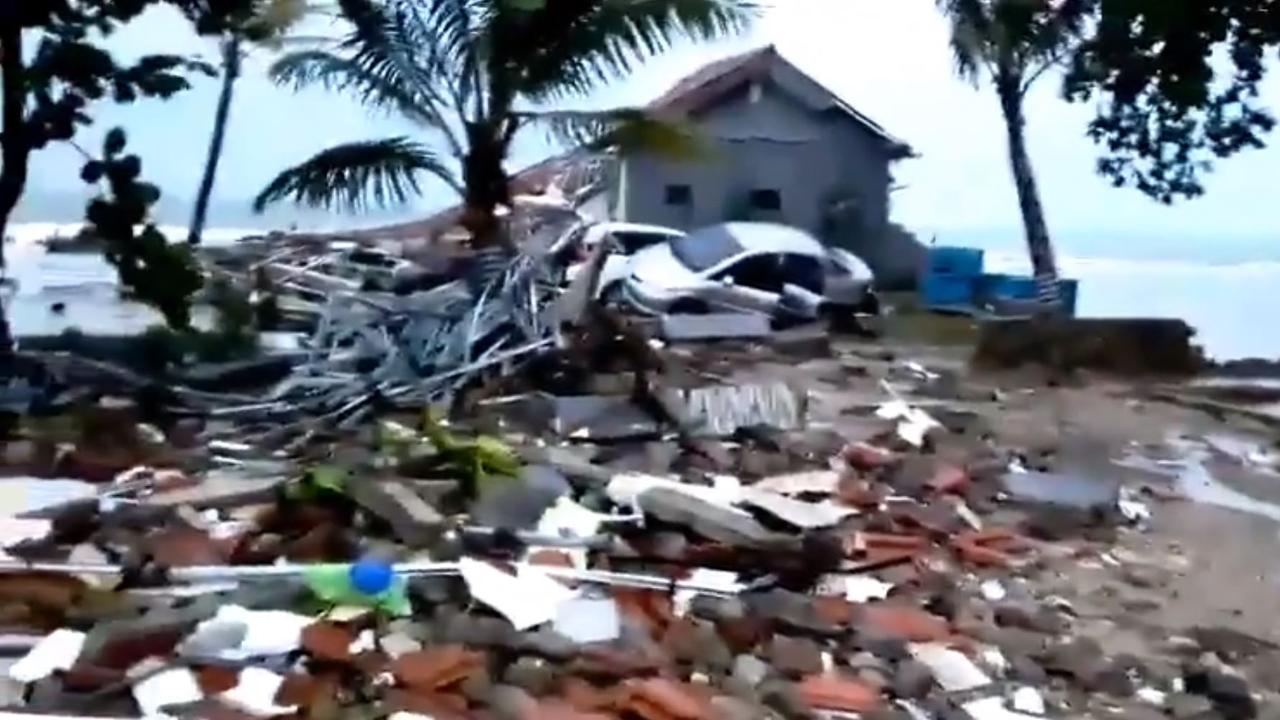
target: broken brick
861 493
902 621
47 590
651 608
185 547
213 680
560 710
436 668
997 547
867 457
126 649
948 479
662 699
586 697
838 693
85 677
552 558
328 641
835 610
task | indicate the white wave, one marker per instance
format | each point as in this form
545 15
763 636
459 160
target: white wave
33 232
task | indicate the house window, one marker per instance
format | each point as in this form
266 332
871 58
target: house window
679 195
767 200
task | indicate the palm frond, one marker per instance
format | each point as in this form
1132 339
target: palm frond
1026 36
1059 24
623 131
569 48
274 18
446 35
423 44
973 36
307 68
358 175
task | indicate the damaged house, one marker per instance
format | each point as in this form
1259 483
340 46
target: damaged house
777 146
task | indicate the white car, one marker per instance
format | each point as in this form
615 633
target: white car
749 267
367 265
624 239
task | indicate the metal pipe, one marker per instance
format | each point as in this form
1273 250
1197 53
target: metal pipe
212 573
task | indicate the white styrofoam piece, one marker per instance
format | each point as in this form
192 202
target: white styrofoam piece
174 686
951 669
528 599
56 651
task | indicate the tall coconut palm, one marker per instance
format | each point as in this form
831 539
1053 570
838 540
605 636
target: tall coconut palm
471 73
1014 43
266 26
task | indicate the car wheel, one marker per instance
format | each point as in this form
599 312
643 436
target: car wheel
689 306
846 319
612 295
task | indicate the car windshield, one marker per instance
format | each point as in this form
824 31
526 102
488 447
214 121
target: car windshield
705 249
632 241
370 257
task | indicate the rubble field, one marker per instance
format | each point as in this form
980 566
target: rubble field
494 512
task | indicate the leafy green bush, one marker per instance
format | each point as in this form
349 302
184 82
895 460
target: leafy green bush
152 270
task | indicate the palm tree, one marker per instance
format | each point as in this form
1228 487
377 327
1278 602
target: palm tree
266 26
471 73
1015 42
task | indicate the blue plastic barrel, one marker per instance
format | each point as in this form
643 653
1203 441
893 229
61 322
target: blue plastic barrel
957 261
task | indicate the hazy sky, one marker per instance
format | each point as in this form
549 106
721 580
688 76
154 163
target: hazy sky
889 58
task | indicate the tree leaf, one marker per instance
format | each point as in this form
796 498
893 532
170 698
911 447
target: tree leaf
114 143
92 172
330 477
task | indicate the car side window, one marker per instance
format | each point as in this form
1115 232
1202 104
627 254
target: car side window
804 271
630 243
759 272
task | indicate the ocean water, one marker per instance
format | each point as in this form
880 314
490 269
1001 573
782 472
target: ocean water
1233 306
83 282
1233 301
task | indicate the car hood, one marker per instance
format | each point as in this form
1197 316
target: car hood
658 266
852 264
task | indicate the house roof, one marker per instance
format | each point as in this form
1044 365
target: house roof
573 173
710 84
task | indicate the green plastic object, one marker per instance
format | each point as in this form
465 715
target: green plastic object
332 584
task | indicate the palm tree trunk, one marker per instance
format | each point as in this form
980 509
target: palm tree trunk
1034 226
486 184
230 73
16 153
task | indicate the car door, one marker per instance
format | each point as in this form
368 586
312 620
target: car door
803 282
750 284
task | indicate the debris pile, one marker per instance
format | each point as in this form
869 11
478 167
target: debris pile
606 530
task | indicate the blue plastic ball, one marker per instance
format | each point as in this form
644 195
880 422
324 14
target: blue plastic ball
372 577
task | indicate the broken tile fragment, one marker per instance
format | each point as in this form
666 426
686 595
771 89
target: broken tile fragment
902 621
437 667
835 692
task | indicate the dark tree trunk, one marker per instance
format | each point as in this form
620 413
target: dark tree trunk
230 73
1034 226
16 152
486 185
